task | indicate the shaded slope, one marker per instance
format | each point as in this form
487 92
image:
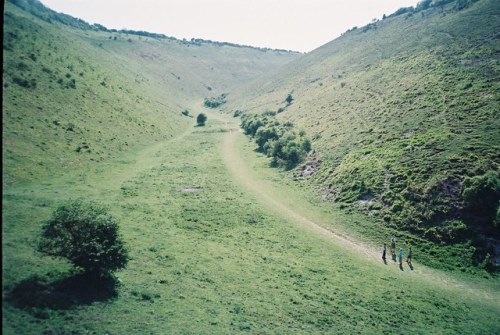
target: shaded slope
402 112
74 95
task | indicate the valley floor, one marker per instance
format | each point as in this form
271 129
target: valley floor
220 244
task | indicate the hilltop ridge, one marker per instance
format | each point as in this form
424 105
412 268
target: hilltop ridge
39 10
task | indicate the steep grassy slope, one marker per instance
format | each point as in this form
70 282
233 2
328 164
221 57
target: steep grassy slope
75 95
404 117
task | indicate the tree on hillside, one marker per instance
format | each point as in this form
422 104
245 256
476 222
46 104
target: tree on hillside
86 235
201 119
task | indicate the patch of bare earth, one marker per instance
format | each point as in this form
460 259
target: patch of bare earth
191 189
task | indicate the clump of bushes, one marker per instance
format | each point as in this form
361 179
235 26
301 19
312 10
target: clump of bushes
25 82
277 140
427 4
215 101
71 83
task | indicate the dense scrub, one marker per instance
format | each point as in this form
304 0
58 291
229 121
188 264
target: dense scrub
277 140
215 102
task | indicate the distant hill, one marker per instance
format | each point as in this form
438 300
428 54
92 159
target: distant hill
404 115
76 94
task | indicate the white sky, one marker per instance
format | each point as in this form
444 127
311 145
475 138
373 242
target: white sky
300 25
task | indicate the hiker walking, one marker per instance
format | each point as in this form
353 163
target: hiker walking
384 251
400 256
408 258
393 246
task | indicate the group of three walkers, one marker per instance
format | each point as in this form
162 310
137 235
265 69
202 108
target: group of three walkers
393 252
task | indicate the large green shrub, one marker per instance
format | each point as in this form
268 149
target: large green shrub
252 122
86 235
482 194
265 134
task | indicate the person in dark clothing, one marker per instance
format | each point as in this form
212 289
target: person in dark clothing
408 258
384 251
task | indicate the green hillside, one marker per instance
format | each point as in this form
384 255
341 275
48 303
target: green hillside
76 94
390 130
404 117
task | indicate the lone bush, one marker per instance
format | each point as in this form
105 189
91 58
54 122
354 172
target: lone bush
201 119
86 235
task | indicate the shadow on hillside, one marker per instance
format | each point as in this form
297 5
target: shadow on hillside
65 293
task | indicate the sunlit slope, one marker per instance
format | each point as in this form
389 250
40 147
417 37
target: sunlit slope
73 96
401 113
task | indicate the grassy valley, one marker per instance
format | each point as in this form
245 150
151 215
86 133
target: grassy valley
219 242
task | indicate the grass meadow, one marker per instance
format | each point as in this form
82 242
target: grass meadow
209 257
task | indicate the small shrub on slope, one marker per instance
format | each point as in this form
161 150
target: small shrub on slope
201 119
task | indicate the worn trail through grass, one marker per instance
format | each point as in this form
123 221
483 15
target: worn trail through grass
249 179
